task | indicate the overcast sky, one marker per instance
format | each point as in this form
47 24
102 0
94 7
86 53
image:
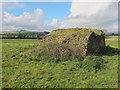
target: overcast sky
47 16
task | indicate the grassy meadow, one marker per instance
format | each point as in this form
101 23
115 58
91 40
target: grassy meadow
19 71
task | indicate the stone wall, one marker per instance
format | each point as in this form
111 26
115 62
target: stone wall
95 42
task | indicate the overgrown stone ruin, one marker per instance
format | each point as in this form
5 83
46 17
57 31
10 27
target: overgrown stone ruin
70 43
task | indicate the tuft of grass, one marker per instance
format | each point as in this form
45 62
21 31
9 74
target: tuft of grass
93 63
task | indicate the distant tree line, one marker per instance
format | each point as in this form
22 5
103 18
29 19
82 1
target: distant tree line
28 35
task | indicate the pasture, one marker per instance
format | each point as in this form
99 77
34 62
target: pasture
19 71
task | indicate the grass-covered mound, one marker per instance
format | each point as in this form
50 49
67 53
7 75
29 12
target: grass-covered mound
70 43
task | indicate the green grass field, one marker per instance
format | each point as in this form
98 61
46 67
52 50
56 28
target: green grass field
113 42
25 72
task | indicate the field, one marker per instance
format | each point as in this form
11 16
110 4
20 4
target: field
18 71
